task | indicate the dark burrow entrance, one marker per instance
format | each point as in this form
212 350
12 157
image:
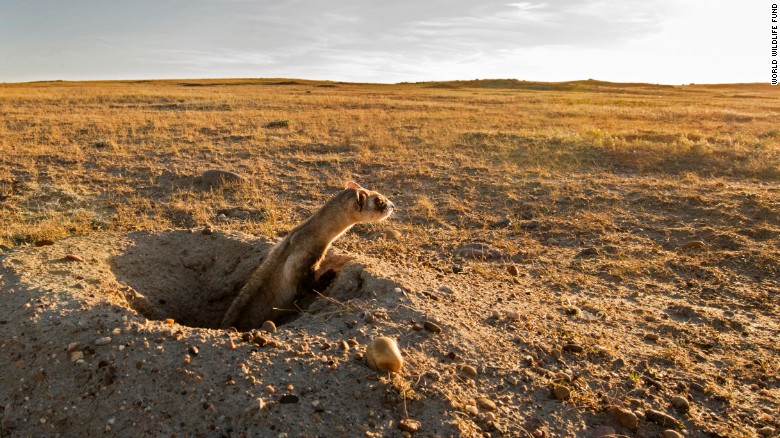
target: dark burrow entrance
192 277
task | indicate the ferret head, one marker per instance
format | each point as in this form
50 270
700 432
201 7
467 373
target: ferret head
370 206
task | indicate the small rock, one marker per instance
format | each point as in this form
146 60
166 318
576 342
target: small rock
75 356
44 242
74 257
269 327
587 252
604 431
383 354
512 270
571 311
660 418
208 231
486 404
501 223
288 399
369 318
73 346
573 348
386 235
681 404
458 269
431 327
693 245
409 425
766 431
495 314
481 251
671 434
193 350
469 371
270 389
231 345
627 419
219 178
511 314
561 392
103 341
652 337
472 410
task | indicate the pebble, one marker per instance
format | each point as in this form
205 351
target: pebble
288 399
486 404
495 314
75 356
219 178
573 348
431 327
511 314
103 341
383 354
693 245
501 223
270 389
660 418
513 270
604 431
409 425
766 431
193 350
469 371
482 251
208 231
269 327
671 434
681 404
472 410
587 252
74 257
652 337
388 234
627 419
44 242
561 392
231 345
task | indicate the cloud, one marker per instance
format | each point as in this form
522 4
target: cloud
352 39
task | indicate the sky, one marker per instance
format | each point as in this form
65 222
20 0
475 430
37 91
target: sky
653 41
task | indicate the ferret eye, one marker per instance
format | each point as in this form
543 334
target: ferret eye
380 203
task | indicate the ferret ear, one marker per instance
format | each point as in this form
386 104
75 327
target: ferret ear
353 185
362 197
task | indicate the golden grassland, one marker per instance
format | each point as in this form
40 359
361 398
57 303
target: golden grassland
470 147
611 190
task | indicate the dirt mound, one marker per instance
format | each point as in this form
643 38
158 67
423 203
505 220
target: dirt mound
89 348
